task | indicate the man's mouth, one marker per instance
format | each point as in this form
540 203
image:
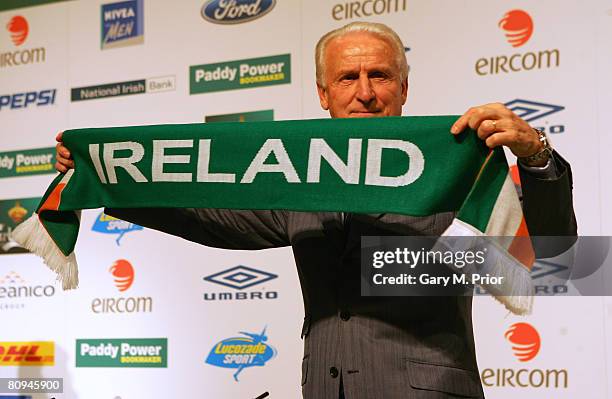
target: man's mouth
362 114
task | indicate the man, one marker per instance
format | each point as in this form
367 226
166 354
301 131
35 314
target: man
364 347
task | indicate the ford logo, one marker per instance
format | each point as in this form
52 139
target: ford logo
235 11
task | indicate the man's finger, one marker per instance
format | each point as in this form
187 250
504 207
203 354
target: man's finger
60 168
59 137
489 127
500 138
62 151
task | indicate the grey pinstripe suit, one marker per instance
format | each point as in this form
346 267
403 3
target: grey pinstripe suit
414 347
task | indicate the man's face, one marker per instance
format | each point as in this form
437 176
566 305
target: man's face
362 78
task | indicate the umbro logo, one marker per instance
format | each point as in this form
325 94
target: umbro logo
240 277
531 110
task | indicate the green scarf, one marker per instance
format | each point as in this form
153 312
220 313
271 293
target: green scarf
404 165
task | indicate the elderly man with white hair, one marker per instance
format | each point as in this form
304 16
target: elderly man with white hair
376 347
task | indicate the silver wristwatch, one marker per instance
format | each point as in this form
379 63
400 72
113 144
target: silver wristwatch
542 155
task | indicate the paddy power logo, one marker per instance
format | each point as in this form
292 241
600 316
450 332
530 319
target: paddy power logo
525 343
36 353
27 162
122 273
122 352
107 224
18 30
248 350
518 27
240 74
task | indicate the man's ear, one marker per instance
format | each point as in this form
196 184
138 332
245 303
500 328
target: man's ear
323 97
404 90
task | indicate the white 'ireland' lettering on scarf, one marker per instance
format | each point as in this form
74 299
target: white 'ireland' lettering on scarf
319 150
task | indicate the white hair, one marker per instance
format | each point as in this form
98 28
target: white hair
381 30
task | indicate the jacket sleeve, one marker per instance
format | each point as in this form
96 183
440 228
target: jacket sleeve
220 228
549 210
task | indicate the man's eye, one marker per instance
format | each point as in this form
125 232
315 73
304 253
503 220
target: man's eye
349 77
378 75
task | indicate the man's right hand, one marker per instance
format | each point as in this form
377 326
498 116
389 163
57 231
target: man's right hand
64 159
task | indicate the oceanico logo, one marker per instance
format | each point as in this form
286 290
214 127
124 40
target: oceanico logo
235 11
242 352
18 29
518 27
122 273
532 111
14 290
242 279
525 343
106 224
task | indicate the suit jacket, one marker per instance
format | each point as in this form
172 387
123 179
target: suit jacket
381 347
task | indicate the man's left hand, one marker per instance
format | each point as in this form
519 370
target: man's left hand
497 125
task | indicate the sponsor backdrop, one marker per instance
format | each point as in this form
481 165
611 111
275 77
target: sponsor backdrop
157 316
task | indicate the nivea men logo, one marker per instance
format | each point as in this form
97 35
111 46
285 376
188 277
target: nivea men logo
240 278
235 11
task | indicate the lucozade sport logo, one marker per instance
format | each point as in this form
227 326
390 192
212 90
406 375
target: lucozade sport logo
525 341
248 350
107 224
518 26
18 27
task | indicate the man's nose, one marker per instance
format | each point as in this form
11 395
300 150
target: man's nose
365 93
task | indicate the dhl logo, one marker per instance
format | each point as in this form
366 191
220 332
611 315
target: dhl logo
39 353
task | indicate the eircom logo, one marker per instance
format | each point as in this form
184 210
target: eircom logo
518 26
525 341
39 353
18 28
123 273
241 352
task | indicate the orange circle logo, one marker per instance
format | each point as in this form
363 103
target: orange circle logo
18 27
123 272
518 26
525 341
